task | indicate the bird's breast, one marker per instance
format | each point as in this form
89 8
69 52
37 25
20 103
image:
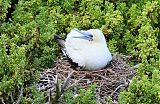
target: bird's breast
96 57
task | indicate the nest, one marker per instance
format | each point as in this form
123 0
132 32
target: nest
110 80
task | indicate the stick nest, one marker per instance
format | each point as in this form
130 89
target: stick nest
110 80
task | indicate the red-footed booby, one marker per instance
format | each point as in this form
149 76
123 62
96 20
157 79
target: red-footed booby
86 48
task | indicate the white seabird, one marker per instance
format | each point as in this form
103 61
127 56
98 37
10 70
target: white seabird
86 48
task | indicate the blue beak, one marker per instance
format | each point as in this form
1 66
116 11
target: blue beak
86 35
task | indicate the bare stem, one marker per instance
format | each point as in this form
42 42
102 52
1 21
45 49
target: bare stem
20 96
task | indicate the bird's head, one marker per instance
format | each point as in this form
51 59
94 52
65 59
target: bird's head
93 35
98 36
77 34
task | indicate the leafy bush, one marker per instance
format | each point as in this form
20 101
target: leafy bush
146 90
4 5
145 86
84 96
26 44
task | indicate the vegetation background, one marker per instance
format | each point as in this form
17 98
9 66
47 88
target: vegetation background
26 45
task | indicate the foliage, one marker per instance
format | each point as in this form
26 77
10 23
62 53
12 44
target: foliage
4 5
14 71
25 47
146 90
84 96
26 44
145 86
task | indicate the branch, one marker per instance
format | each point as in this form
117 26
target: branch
2 100
135 66
20 96
55 100
74 84
117 88
66 82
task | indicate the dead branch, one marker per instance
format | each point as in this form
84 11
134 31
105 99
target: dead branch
20 95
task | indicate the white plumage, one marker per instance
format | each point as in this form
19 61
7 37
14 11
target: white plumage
87 48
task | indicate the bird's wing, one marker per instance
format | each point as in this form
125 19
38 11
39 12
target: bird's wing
75 55
71 51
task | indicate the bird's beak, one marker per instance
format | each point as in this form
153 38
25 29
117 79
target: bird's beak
85 35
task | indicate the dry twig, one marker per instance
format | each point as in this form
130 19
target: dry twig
20 95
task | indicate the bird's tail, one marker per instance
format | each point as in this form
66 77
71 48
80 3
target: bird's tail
60 42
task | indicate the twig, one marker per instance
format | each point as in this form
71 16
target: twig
70 87
135 66
102 77
117 88
2 100
50 97
66 82
12 97
55 100
74 84
20 96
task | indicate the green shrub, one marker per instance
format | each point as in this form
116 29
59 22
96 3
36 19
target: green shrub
25 46
84 96
145 86
4 5
143 91
14 71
